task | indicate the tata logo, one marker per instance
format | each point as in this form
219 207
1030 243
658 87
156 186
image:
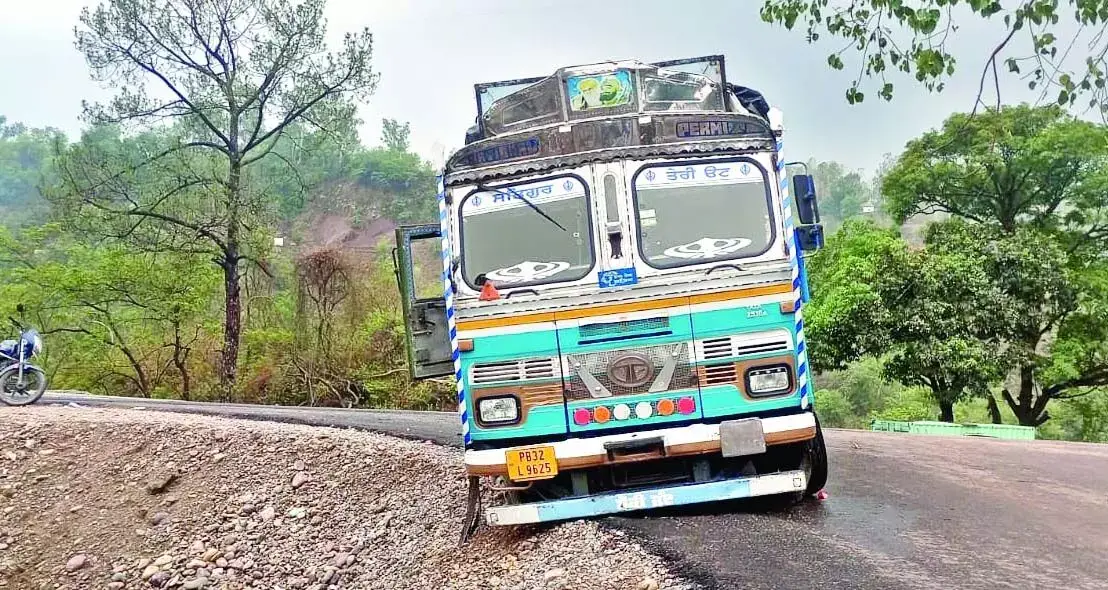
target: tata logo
630 370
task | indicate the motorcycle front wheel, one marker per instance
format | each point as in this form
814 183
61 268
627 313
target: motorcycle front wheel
21 392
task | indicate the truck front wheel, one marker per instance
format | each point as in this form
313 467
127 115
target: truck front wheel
815 458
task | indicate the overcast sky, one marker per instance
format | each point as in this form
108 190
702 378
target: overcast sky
430 53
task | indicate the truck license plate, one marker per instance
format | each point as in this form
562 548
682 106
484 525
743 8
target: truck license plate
532 463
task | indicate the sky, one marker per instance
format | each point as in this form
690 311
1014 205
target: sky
430 53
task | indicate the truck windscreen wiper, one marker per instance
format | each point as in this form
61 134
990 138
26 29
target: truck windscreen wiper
533 206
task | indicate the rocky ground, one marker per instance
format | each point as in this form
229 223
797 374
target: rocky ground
134 499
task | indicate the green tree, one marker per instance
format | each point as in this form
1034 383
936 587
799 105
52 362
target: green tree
128 318
395 135
1030 182
25 155
919 309
915 39
233 76
405 182
841 193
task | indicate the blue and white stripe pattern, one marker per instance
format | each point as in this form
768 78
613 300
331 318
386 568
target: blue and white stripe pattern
794 250
448 295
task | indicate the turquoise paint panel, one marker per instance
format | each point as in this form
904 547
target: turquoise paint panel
725 400
631 400
723 322
512 346
680 328
541 420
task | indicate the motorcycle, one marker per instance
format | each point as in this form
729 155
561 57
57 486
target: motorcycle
21 383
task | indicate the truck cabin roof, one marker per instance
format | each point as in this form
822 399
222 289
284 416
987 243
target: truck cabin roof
605 111
610 89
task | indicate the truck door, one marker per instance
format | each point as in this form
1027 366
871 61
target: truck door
417 262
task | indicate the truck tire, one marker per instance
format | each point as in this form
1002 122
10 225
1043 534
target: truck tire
815 454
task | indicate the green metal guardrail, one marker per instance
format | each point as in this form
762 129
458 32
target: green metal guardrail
1005 431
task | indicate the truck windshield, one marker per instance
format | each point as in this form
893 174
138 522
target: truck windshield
690 214
512 244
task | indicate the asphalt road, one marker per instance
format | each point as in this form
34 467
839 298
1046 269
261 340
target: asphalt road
904 512
441 427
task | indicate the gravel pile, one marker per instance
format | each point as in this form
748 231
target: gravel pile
133 499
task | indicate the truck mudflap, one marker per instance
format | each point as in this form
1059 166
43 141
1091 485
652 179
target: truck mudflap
679 495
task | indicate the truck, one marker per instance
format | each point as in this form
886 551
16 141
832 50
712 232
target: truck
617 293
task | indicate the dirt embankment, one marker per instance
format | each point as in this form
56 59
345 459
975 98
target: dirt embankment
131 499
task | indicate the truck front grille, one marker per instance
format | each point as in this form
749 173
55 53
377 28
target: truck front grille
517 370
650 369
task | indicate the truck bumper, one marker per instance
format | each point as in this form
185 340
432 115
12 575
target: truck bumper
683 441
614 502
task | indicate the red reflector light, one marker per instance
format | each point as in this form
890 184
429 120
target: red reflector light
581 417
489 292
686 405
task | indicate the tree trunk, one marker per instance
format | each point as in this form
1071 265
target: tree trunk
946 411
1029 410
232 328
232 321
180 356
994 409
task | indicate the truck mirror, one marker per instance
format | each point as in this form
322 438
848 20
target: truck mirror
804 193
810 237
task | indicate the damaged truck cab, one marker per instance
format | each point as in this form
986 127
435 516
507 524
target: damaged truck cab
622 294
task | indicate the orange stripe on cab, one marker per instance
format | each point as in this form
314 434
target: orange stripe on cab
617 308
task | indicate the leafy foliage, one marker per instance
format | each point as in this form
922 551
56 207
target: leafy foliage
921 308
842 194
915 38
1018 165
1027 185
136 309
24 157
126 320
232 76
395 135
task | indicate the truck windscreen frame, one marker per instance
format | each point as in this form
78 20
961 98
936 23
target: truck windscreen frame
683 185
556 196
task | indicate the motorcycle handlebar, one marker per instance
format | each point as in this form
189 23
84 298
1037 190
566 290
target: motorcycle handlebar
15 323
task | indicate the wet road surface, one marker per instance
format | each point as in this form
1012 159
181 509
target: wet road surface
912 512
904 511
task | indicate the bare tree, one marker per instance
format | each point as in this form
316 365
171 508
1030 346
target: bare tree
229 77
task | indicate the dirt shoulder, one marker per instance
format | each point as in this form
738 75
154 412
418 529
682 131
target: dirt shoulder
105 498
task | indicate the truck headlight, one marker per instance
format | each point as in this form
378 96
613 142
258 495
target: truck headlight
498 410
768 380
